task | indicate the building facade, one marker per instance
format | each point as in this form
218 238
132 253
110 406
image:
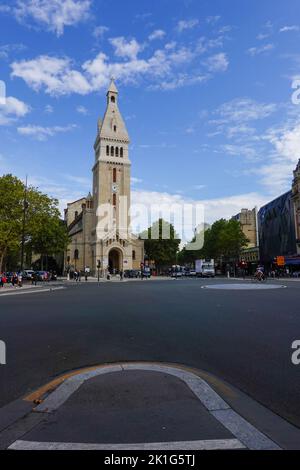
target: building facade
248 221
276 227
296 202
99 224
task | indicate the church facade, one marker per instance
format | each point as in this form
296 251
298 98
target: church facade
99 224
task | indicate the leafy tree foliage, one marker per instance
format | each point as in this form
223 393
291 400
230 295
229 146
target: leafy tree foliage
224 239
44 232
161 243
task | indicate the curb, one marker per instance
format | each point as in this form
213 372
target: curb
31 291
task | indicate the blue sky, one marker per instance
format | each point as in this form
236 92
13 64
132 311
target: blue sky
205 89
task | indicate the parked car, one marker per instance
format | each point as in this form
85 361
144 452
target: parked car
27 274
131 274
192 273
41 275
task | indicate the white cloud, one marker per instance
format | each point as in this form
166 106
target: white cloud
12 109
82 110
214 209
286 142
53 73
286 29
157 34
5 9
7 49
99 31
41 133
135 180
217 63
180 81
186 24
213 19
243 110
55 14
249 153
49 109
126 49
81 180
167 68
277 171
253 51
262 36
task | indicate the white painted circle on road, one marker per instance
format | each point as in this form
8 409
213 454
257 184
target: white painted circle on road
261 286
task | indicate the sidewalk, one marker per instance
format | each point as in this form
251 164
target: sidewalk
141 407
8 289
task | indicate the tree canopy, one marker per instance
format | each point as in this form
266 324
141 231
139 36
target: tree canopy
44 231
224 239
161 243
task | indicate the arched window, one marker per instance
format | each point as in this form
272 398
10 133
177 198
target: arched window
76 254
114 200
133 255
114 175
107 150
121 152
117 151
115 128
112 151
113 99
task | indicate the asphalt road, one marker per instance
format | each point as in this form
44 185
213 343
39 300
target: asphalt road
244 337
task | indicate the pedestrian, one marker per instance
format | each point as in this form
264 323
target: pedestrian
121 275
14 279
86 273
34 279
1 280
20 280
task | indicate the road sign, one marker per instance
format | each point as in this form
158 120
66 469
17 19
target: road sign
280 261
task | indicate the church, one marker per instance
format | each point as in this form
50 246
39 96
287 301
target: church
99 224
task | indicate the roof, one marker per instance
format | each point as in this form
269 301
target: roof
112 87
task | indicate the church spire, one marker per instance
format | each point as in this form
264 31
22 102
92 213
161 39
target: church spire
112 87
113 126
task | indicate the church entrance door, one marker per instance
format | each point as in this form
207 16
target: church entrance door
115 261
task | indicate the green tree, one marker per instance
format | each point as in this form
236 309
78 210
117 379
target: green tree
224 239
44 232
161 243
11 212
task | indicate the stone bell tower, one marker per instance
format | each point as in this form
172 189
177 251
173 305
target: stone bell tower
113 245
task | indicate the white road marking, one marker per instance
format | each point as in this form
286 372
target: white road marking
243 430
214 444
262 286
216 406
31 291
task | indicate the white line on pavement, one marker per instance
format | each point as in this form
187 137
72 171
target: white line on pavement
214 444
31 291
216 406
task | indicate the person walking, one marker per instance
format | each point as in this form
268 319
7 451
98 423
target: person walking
20 280
34 279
